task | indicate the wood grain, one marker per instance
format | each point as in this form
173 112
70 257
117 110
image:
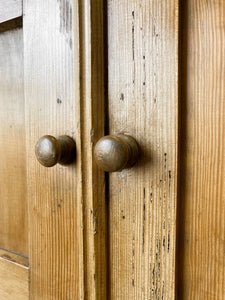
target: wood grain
51 43
14 277
143 102
201 260
92 70
13 189
10 9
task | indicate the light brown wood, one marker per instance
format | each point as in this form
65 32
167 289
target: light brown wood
52 100
92 72
13 187
14 257
201 259
14 277
143 102
10 9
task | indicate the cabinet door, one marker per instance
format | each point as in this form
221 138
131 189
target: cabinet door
86 73
40 215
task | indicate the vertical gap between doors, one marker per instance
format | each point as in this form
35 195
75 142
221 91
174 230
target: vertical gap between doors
105 22
182 147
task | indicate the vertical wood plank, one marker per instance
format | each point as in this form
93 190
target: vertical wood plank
51 41
13 190
92 45
143 101
201 261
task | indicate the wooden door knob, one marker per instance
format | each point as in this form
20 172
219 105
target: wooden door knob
116 152
50 150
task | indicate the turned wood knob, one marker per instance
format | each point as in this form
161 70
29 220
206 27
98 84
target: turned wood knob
50 150
116 152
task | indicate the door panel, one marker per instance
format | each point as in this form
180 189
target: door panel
143 102
13 185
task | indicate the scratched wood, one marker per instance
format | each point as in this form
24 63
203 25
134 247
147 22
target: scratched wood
143 101
52 101
10 9
14 274
92 69
13 188
201 260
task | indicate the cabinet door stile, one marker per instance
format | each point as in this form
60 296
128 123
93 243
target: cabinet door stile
52 104
143 102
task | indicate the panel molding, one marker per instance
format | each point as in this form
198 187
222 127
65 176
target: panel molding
92 70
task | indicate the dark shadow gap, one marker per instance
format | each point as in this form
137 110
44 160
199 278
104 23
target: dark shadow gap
182 144
106 108
11 24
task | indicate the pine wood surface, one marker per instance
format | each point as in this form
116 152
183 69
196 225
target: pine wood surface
143 102
201 227
93 68
51 43
13 187
92 89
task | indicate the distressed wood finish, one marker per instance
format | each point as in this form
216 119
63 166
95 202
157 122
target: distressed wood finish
201 261
10 9
13 188
143 101
92 84
51 43
14 276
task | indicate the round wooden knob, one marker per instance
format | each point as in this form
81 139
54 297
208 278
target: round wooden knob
50 150
116 152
